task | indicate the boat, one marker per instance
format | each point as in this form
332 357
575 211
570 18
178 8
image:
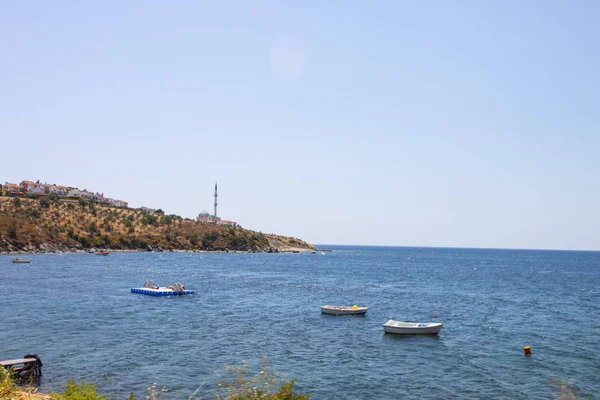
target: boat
102 253
20 261
149 289
412 328
344 310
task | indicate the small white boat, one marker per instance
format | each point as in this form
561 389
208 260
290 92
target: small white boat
344 310
412 328
20 261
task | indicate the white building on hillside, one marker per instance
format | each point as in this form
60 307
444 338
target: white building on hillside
33 187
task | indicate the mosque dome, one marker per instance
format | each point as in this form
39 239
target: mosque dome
204 214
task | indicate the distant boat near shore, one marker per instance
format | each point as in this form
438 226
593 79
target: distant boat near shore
20 261
102 253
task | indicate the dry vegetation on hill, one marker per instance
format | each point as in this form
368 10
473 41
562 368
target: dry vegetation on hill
46 225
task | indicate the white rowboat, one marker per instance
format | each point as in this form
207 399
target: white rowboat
344 310
20 261
412 328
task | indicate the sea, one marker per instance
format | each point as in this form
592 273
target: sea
77 313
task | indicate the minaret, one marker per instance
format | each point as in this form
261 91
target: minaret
216 195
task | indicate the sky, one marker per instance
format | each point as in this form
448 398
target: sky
440 123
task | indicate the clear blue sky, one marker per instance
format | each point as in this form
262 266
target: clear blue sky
466 123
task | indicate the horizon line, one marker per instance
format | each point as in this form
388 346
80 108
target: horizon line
450 247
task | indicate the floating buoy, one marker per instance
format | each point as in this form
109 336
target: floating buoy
434 316
527 350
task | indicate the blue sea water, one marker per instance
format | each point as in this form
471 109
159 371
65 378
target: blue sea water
77 313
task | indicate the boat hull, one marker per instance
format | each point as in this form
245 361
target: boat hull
161 292
21 261
343 310
412 328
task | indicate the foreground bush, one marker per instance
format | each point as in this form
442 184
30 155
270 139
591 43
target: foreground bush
81 391
10 390
237 384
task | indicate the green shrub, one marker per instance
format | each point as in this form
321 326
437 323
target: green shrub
238 384
34 213
12 231
7 386
85 242
93 227
45 202
81 391
106 240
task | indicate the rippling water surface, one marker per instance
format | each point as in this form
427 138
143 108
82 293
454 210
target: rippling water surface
76 312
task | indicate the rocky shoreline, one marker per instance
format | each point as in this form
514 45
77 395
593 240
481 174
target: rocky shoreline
58 249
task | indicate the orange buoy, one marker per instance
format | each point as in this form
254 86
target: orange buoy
527 350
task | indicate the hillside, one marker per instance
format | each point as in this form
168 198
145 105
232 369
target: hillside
45 225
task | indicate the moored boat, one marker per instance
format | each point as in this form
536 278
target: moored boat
102 253
412 328
20 261
344 310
